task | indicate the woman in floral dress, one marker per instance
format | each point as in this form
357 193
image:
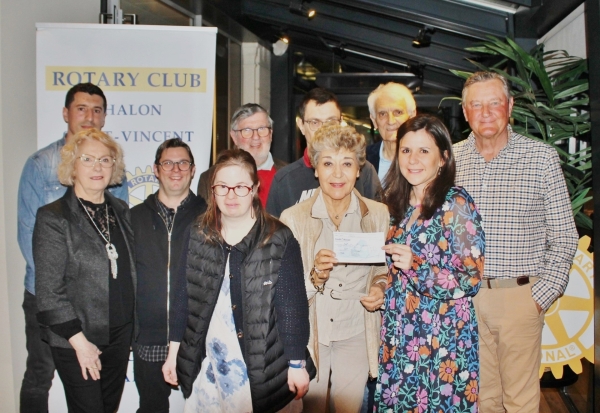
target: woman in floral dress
428 360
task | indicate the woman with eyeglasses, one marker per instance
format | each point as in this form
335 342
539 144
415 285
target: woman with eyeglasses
240 321
344 299
85 274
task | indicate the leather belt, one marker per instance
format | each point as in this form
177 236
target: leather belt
492 283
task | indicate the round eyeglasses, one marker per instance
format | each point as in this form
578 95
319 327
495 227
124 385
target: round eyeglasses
315 124
223 190
90 161
247 133
169 165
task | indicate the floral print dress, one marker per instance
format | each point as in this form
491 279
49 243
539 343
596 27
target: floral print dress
428 360
222 384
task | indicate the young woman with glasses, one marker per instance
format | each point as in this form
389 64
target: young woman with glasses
243 299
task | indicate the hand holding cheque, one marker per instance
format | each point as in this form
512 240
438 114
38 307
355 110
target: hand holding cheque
401 255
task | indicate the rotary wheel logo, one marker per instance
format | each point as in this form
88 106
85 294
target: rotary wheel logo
568 334
140 185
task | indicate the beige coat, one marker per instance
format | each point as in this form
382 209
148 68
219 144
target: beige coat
306 229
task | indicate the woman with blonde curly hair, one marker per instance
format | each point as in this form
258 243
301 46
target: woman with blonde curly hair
85 274
343 298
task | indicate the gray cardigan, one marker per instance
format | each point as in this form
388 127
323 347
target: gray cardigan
71 268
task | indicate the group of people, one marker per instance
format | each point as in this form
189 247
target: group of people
236 294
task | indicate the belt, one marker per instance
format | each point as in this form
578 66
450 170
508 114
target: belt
491 282
346 295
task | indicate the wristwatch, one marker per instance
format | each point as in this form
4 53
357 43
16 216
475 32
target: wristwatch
300 365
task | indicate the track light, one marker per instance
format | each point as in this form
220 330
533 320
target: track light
423 39
281 46
298 7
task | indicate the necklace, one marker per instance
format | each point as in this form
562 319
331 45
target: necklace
110 248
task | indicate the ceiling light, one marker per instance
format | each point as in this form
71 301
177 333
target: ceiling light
280 47
423 39
501 6
301 9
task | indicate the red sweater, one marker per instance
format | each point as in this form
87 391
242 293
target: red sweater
265 177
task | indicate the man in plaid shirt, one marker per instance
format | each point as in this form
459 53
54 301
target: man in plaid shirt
531 239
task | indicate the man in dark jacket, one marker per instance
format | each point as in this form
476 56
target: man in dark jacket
296 182
159 226
390 105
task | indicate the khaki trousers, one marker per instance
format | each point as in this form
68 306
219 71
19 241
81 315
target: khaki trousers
510 337
347 362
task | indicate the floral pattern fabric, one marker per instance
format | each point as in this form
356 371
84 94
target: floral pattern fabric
222 384
428 360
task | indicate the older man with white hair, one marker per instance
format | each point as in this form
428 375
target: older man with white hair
390 105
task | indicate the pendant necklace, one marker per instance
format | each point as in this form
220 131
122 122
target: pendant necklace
110 248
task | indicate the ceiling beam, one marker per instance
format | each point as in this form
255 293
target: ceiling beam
460 19
355 35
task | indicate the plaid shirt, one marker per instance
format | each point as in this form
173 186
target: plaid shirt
159 353
155 354
527 216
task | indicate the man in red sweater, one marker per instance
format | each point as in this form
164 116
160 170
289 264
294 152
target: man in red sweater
251 130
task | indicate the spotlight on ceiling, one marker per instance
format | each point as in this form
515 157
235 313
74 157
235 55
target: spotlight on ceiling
281 46
423 39
301 9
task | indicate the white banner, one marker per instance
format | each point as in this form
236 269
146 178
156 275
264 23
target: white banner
159 84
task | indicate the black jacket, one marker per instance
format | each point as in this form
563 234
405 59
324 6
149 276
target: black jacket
71 268
263 349
155 259
373 154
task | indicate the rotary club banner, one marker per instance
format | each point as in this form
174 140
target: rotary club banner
158 82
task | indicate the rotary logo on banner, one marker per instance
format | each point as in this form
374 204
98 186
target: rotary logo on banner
568 334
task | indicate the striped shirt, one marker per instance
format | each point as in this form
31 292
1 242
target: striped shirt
527 216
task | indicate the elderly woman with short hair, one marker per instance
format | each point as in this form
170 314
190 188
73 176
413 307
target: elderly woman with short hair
85 274
343 298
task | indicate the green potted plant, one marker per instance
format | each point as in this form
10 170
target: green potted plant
551 105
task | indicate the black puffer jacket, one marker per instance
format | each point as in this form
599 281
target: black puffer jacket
263 348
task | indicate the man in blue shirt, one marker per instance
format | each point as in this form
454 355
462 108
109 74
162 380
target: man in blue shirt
85 107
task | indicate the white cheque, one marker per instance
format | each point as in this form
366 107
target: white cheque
359 247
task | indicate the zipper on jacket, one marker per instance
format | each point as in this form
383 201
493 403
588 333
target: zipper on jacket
169 231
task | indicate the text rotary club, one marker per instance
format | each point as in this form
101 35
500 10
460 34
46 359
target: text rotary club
142 79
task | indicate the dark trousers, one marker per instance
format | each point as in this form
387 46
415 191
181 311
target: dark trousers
39 369
96 396
151 385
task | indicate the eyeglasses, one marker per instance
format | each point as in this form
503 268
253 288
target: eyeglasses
90 161
247 133
169 165
239 190
315 124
